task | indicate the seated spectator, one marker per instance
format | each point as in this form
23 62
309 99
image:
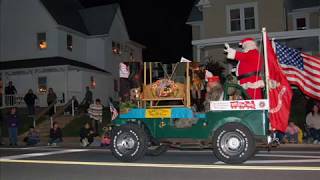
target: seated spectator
86 135
32 138
105 140
313 123
292 133
55 135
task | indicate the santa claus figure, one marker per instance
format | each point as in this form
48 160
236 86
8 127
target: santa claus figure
249 67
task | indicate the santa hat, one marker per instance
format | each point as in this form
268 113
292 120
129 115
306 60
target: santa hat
245 40
213 79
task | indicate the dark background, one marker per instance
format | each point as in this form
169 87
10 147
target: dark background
160 25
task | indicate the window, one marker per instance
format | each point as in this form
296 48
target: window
69 42
116 48
300 21
42 40
42 84
242 17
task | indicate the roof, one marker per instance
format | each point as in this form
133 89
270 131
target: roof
45 62
91 21
98 20
66 13
195 14
299 4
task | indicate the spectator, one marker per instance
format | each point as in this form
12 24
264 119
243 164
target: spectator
10 92
13 124
95 112
87 99
105 140
33 137
51 99
292 133
313 123
55 135
30 99
86 135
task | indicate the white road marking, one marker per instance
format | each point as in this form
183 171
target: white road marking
286 156
278 161
291 152
282 161
180 166
29 155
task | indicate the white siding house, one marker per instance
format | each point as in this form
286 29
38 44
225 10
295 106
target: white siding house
60 44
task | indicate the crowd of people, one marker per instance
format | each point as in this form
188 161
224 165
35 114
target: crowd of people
90 132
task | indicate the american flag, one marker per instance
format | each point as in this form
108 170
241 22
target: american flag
114 112
301 69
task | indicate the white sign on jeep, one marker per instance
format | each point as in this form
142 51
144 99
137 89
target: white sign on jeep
260 104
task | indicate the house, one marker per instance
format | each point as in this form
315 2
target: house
61 44
295 23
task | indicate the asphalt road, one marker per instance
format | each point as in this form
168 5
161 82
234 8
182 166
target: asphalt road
38 163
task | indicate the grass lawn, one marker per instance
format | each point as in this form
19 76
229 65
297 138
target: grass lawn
73 128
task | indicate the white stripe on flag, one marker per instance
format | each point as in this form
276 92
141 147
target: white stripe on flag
305 88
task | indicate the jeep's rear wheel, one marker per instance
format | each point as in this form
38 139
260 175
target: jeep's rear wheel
233 143
129 142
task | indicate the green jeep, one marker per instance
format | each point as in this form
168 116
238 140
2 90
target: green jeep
231 127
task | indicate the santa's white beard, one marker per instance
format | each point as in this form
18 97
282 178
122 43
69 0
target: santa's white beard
250 45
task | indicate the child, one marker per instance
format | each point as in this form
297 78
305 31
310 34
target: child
292 133
32 137
105 140
86 135
55 135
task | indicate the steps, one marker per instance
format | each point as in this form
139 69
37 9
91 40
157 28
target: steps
44 127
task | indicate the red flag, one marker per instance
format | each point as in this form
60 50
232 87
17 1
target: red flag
280 92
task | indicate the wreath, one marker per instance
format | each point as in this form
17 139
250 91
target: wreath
164 88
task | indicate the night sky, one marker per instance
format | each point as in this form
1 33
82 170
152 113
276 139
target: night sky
160 25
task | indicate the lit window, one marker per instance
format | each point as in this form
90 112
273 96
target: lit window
242 17
69 42
42 84
42 40
116 48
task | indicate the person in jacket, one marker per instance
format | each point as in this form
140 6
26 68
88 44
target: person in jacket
10 92
51 99
32 138
55 135
30 99
13 124
86 135
313 123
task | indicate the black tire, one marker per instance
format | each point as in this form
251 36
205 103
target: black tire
233 143
159 150
129 143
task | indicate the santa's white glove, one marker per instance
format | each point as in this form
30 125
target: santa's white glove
231 53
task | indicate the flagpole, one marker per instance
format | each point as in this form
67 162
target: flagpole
266 66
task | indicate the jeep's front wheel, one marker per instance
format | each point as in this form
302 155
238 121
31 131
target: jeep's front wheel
129 143
233 143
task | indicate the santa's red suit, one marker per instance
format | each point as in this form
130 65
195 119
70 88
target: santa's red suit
248 68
